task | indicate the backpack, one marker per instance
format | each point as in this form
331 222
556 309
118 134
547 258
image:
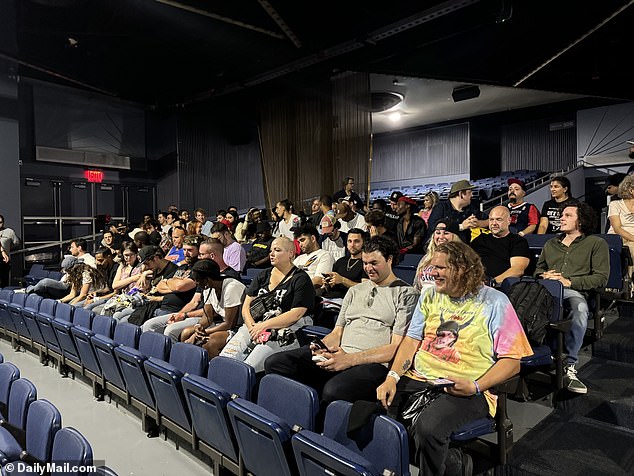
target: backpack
534 306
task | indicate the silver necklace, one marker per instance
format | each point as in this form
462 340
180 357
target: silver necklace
350 266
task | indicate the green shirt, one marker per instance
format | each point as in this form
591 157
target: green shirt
586 262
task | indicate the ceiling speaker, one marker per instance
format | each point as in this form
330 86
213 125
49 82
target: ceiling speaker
462 93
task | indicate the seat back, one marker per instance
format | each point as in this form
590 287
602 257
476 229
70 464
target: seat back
19 299
410 260
47 306
189 358
153 344
70 446
127 334
236 377
64 311
617 271
263 431
295 402
165 379
83 317
9 373
104 325
207 402
32 302
382 441
42 423
23 393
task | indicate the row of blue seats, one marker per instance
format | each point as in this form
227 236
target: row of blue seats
37 273
174 386
31 430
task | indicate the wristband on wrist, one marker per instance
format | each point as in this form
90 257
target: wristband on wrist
478 392
394 375
185 315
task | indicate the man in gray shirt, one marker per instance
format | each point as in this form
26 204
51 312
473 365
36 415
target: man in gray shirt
373 320
8 240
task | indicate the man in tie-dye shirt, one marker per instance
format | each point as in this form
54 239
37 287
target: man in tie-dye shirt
462 331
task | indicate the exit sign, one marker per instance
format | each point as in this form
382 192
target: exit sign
94 176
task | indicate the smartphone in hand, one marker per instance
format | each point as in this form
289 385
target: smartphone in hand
442 382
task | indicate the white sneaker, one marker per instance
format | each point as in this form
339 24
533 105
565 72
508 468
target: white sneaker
571 382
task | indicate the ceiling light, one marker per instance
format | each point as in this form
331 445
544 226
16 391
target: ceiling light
394 117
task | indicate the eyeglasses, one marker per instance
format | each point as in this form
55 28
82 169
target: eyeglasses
371 296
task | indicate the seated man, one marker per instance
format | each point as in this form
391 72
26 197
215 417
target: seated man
581 263
190 314
53 288
258 256
313 259
333 240
349 218
222 300
176 254
462 331
376 220
372 322
410 228
234 254
178 291
504 254
346 272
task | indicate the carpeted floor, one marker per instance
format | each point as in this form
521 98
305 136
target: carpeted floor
571 445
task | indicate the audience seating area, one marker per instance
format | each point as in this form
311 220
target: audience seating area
485 188
215 405
31 431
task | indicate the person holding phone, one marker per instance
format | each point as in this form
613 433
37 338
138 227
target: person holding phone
352 360
464 333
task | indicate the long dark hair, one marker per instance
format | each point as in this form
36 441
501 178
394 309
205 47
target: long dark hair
75 276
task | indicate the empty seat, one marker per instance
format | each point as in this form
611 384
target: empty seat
124 334
382 444
151 344
71 447
165 378
42 423
264 431
13 430
15 306
8 374
102 325
47 308
31 306
207 400
63 312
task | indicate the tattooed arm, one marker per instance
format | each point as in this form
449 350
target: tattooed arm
402 363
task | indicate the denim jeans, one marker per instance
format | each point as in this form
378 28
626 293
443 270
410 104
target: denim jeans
577 309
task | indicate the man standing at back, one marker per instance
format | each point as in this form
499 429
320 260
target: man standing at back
458 207
348 194
8 240
581 263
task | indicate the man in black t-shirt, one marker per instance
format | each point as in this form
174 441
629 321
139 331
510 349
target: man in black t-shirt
348 193
504 254
258 255
347 271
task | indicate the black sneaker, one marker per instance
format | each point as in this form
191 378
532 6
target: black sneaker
467 464
571 382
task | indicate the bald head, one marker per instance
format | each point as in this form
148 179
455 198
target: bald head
285 243
499 221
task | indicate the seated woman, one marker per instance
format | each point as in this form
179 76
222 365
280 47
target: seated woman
126 277
222 303
274 329
83 279
446 230
621 214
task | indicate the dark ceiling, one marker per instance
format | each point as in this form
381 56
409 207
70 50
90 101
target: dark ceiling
165 52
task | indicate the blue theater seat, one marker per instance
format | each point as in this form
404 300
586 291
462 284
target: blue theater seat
31 306
42 423
207 400
102 325
382 444
165 378
5 299
264 431
63 312
9 373
47 309
13 430
71 447
131 362
124 334
16 304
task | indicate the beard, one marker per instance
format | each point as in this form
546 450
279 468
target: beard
513 198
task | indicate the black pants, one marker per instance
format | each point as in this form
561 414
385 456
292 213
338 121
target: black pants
356 383
5 269
438 420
